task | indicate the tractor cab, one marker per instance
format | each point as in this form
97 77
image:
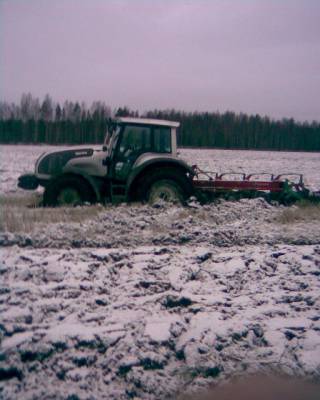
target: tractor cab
137 161
130 139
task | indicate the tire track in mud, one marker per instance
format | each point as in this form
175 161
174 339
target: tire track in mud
149 321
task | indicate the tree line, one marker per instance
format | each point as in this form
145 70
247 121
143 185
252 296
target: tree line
35 121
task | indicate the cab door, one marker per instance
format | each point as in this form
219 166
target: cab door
134 140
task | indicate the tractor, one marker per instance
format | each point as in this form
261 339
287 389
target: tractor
137 162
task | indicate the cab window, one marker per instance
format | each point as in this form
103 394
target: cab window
135 139
162 140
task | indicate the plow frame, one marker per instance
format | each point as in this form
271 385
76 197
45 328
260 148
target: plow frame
286 188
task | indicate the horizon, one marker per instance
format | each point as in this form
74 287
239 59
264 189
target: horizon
141 113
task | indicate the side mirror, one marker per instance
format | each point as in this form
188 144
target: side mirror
104 148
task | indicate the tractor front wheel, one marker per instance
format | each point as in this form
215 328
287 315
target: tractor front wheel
68 191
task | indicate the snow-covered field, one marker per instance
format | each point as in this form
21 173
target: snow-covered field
15 160
146 303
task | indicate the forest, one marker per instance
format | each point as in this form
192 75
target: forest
47 121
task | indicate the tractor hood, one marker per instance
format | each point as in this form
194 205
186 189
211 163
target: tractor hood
53 163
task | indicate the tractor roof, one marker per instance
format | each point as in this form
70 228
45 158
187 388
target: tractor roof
148 121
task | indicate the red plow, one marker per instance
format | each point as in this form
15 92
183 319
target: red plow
285 188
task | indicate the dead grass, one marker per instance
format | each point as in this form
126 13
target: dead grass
26 200
304 211
23 213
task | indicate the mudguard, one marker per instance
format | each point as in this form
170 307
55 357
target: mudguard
149 160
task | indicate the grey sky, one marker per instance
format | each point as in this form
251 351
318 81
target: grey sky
254 56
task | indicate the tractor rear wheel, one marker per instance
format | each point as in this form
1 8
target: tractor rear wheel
165 190
166 184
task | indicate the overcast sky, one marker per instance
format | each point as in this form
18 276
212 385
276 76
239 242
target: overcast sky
254 56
